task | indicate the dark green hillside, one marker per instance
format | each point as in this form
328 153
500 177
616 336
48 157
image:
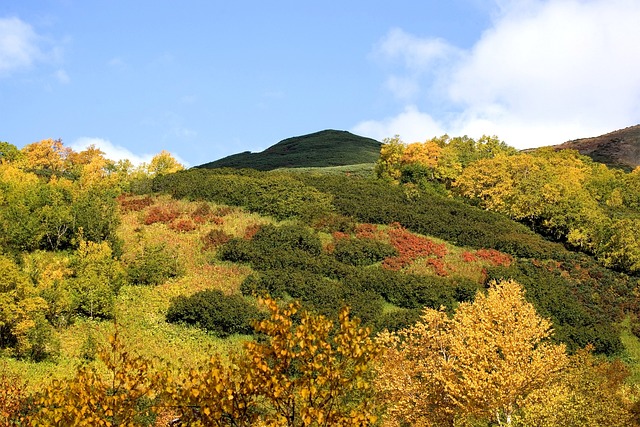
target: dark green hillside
320 149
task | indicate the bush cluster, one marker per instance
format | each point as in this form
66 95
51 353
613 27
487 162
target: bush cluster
290 264
361 252
280 195
219 314
154 265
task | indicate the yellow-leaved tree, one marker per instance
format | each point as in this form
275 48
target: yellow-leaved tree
591 391
163 163
481 363
122 397
305 373
391 152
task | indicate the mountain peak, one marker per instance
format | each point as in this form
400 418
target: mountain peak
325 148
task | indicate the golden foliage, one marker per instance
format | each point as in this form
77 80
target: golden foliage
304 374
480 363
391 152
590 392
13 399
424 153
163 163
122 397
48 154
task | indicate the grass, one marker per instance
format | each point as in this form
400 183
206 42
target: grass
631 350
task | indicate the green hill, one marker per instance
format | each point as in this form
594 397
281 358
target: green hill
320 149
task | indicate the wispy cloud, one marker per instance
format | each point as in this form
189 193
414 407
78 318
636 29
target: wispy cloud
545 72
22 48
62 76
18 45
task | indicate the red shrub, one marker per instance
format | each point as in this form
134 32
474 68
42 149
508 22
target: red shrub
367 231
162 214
339 235
396 263
468 257
128 204
495 257
412 246
183 225
215 238
438 266
251 231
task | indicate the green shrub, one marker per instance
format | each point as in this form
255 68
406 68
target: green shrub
288 237
361 252
220 314
154 265
280 195
398 319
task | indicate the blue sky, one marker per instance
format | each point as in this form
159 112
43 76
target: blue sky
205 79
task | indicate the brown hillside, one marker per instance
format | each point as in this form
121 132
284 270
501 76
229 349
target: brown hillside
620 148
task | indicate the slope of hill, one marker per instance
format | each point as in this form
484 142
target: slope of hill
619 149
320 149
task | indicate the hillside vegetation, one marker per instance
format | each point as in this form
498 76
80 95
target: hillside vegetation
617 149
321 149
337 296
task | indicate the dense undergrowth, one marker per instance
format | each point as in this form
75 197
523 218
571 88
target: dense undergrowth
175 271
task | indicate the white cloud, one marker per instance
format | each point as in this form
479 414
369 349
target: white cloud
411 125
117 152
543 73
18 45
111 151
21 48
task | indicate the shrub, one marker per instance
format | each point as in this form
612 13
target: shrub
220 314
128 204
154 265
398 319
333 222
183 225
288 237
215 238
163 214
13 399
362 251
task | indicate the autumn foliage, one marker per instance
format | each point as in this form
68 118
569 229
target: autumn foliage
481 363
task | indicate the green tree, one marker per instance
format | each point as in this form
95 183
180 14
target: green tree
9 152
97 279
23 327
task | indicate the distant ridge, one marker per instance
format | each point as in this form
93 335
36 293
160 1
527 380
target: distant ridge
619 149
320 149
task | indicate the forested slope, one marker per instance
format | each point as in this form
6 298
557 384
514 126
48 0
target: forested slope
151 280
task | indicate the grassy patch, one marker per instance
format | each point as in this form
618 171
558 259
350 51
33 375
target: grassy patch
631 350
